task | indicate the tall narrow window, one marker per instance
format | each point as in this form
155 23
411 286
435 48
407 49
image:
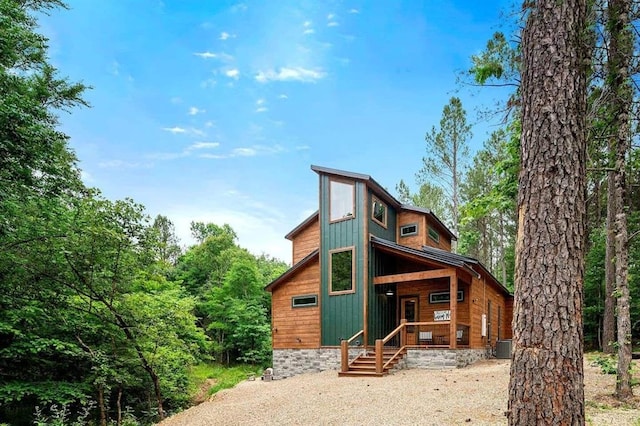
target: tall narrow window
433 234
341 200
499 322
341 271
379 211
489 321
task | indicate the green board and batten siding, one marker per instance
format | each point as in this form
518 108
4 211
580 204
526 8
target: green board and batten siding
381 308
342 315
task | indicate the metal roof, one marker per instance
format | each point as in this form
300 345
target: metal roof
302 225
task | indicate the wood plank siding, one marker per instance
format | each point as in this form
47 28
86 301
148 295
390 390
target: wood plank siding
483 293
296 327
306 240
422 237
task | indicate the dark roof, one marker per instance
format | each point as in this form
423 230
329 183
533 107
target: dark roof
442 256
301 226
380 191
383 193
291 271
435 255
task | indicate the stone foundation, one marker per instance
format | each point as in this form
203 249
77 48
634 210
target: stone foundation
291 362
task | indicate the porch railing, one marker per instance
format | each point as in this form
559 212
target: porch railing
344 351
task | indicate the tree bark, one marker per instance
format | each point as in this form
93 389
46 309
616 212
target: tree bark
103 409
546 385
609 320
620 52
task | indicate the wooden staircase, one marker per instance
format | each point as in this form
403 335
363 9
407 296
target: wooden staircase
364 365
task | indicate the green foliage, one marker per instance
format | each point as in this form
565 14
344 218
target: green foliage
607 363
225 377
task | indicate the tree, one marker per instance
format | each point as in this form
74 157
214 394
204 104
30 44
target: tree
546 385
447 153
620 52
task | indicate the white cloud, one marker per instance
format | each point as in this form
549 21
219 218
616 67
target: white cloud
330 16
208 83
240 7
195 111
262 109
209 123
86 176
115 68
225 36
332 24
290 74
307 24
354 11
283 96
206 55
203 145
232 73
176 100
244 152
260 101
303 147
175 130
309 31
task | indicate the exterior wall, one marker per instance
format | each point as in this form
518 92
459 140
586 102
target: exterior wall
296 327
291 362
443 358
422 237
342 314
426 309
413 241
483 292
306 241
381 310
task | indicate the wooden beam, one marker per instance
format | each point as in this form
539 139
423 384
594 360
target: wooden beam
414 276
453 307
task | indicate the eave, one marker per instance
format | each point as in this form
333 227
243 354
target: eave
308 259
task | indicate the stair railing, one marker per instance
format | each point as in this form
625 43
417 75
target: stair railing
344 351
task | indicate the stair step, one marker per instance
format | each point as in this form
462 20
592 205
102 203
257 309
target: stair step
352 373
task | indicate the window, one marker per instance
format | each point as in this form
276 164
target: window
379 212
304 301
341 271
406 230
433 234
444 297
341 201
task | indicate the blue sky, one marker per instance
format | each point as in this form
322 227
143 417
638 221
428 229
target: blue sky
214 110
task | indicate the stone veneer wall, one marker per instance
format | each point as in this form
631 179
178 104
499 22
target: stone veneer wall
443 358
290 362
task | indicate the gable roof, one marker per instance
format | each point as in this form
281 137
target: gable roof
308 221
384 194
308 259
433 254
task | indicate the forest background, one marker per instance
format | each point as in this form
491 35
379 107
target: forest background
105 316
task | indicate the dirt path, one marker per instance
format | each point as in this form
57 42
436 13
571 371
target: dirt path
473 395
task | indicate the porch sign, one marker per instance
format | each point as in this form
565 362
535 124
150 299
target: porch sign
442 315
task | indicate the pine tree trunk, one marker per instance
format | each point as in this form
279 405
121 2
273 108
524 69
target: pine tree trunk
620 50
546 385
609 324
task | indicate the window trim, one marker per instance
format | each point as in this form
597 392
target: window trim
431 231
442 293
382 223
305 305
353 200
352 249
409 233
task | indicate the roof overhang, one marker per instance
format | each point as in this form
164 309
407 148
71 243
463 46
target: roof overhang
307 260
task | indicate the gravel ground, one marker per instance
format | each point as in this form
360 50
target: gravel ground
473 395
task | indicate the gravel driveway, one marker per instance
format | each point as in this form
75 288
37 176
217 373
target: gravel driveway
473 395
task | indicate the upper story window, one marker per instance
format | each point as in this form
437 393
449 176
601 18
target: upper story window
341 271
433 234
406 230
341 200
379 211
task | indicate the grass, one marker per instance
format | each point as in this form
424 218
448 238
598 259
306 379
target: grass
225 377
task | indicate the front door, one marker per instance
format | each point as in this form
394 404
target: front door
409 311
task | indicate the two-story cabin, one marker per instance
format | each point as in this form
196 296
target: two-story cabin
371 285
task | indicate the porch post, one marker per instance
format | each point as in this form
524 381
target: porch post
453 307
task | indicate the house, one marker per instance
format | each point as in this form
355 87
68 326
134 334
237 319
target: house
371 286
